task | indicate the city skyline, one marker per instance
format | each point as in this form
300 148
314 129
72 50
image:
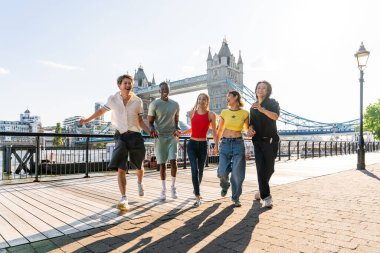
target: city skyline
58 59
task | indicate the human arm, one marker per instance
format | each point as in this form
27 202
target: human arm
152 129
251 132
143 125
177 132
140 121
214 132
96 114
269 114
220 130
151 119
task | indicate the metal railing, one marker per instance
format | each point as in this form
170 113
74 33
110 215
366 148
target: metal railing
89 154
296 149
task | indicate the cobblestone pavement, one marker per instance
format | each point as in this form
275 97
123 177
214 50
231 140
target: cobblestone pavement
335 213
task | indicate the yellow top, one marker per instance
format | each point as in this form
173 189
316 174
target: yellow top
234 120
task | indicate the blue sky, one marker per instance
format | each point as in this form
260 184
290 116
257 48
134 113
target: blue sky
58 58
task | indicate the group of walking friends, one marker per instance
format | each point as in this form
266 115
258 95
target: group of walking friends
163 117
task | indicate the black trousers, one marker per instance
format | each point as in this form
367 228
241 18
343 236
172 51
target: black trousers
265 156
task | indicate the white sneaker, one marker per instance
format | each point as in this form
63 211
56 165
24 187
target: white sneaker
123 204
163 195
140 189
257 195
268 202
174 193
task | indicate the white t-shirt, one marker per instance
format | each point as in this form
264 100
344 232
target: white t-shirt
125 117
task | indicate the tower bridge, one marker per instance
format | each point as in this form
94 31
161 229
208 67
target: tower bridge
224 73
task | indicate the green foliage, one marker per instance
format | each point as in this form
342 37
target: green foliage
372 119
100 145
58 141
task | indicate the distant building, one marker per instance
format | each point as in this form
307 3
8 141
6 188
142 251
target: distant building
26 124
71 124
99 105
97 126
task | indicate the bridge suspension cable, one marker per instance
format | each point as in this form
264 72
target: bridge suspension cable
293 119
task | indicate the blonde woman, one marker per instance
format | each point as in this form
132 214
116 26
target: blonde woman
201 119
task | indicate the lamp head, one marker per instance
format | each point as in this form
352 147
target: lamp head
362 57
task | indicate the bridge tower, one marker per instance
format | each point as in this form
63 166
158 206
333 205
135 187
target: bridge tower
220 67
140 81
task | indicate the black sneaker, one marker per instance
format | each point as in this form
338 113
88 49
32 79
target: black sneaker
223 192
237 203
197 203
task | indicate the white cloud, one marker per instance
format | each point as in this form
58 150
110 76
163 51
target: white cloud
3 71
59 65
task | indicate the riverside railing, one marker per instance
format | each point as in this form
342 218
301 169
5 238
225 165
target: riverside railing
32 156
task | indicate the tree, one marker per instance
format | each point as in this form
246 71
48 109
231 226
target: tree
372 119
58 141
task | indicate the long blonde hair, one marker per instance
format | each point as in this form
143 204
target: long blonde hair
208 101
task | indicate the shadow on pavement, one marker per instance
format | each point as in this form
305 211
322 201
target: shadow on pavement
370 174
237 238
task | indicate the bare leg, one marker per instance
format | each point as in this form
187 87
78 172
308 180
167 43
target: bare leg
173 165
122 181
163 171
140 175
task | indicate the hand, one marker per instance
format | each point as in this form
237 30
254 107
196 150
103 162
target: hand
82 121
251 132
177 133
153 133
215 151
257 106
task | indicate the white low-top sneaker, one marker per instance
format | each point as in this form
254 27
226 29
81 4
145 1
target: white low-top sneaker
163 195
268 202
174 193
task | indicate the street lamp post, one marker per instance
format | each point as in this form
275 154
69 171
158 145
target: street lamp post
362 57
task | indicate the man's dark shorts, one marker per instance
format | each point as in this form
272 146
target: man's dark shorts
131 143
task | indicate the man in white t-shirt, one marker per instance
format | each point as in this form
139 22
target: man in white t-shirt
127 111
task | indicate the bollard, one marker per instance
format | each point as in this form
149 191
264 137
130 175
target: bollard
305 149
298 149
87 147
37 158
184 153
208 146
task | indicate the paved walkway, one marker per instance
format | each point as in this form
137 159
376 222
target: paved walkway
330 208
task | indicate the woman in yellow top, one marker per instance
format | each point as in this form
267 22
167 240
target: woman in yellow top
232 150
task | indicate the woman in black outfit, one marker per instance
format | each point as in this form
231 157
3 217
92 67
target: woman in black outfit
263 115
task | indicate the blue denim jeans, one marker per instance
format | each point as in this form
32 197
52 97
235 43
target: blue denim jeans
232 160
197 152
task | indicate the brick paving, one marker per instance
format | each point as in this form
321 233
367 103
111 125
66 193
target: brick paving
334 213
